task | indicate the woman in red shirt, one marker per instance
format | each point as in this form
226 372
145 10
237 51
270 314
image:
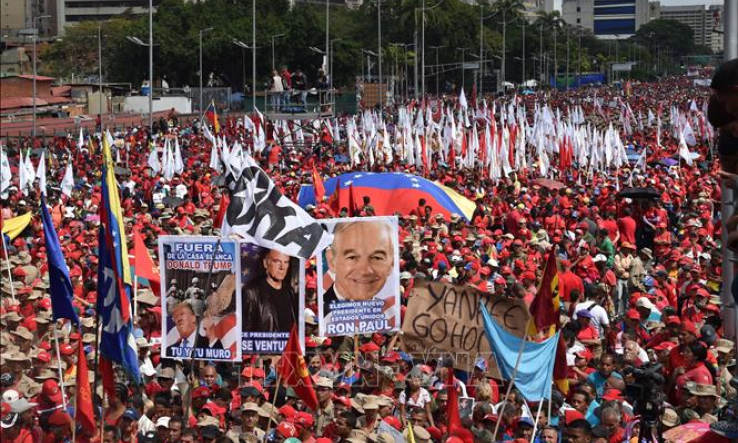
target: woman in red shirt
696 368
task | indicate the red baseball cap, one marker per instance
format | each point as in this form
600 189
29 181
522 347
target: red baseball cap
286 430
50 390
43 356
689 326
201 392
393 421
66 349
287 411
613 394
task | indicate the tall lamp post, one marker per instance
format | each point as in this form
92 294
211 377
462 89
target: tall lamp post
243 47
273 38
463 62
139 42
202 31
35 37
437 67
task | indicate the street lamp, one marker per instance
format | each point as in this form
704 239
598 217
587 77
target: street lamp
202 31
243 47
463 62
437 67
35 37
150 45
274 37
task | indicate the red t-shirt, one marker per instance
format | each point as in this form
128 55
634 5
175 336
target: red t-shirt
627 228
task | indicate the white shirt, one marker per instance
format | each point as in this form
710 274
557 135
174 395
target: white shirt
599 315
181 190
420 401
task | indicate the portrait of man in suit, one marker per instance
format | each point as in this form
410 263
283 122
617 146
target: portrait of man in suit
361 259
269 302
186 323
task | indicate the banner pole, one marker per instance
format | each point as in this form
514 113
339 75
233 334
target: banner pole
7 264
58 361
535 423
512 377
274 401
198 316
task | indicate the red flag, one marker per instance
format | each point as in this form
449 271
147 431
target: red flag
294 372
352 207
108 376
218 222
544 309
452 156
335 200
561 369
318 185
143 264
452 405
83 413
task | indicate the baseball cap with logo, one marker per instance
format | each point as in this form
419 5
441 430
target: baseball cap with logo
50 390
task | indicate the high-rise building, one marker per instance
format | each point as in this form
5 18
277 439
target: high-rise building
607 19
71 12
703 21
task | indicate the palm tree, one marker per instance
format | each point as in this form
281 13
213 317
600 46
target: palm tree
510 9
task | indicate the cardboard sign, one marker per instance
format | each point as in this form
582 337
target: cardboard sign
444 319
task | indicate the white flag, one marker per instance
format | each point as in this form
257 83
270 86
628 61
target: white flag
41 173
67 183
4 173
462 99
260 213
684 150
81 140
154 160
178 163
30 172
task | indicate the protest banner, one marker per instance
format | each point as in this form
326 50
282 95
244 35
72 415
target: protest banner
194 296
272 298
445 319
359 277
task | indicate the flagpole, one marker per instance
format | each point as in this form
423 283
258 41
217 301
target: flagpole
135 295
58 361
7 264
535 423
74 424
515 372
198 316
274 400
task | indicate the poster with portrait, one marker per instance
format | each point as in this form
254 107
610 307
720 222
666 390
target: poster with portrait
271 298
359 277
200 308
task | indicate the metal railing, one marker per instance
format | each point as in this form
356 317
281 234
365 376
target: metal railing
311 102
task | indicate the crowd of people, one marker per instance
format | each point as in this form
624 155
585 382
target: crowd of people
639 281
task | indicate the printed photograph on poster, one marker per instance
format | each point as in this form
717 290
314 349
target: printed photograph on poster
270 303
200 310
359 277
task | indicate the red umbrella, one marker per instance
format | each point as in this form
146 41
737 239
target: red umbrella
549 183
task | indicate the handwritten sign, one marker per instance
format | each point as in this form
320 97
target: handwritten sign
445 319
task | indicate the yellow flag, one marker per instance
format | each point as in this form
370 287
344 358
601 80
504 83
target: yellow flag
12 227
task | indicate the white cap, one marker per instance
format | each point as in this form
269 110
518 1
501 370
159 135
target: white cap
643 302
163 421
599 258
10 396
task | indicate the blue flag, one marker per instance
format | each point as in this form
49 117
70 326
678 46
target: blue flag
60 285
535 372
117 343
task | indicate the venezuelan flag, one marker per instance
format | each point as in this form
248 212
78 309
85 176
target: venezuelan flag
212 116
393 192
114 281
